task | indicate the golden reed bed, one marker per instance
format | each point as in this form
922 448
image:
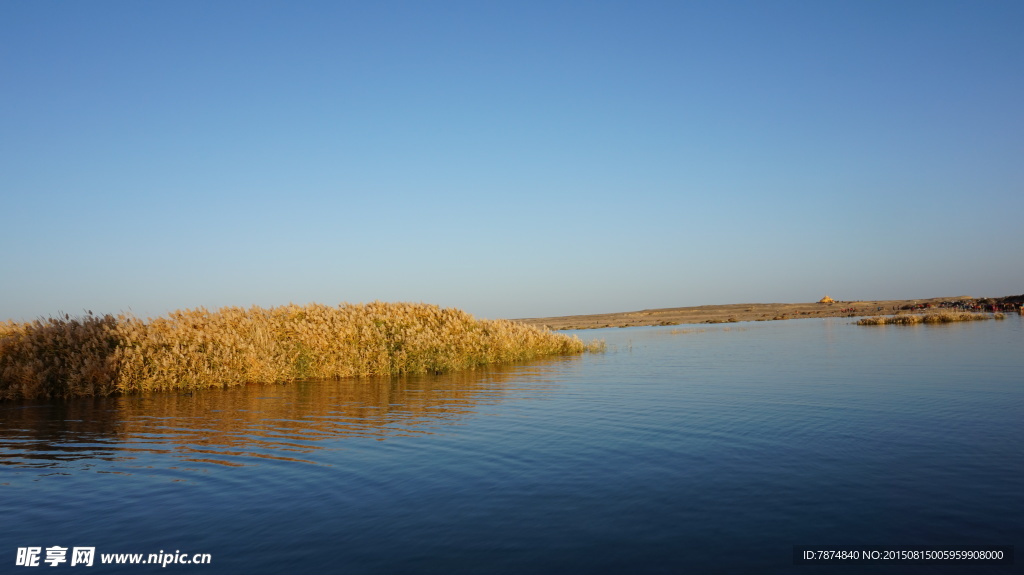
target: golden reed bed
914 319
191 349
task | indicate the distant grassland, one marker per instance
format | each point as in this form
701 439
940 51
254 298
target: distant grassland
913 319
192 349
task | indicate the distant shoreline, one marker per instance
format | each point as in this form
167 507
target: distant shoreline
765 312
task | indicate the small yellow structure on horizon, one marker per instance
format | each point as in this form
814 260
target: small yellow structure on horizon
826 299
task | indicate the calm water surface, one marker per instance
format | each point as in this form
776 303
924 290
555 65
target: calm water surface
685 448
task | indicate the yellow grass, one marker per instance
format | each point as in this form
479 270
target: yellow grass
104 355
913 319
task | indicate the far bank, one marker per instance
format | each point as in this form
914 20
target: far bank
773 311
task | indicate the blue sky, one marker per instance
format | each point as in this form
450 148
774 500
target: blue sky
513 159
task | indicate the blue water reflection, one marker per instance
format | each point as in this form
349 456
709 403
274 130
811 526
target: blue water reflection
697 448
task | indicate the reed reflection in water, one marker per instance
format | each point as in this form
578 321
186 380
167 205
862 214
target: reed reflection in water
247 425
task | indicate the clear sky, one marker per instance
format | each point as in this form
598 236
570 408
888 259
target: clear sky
513 159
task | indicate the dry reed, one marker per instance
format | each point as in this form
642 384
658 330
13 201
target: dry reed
914 319
191 349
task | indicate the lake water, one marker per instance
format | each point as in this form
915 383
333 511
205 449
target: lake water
681 449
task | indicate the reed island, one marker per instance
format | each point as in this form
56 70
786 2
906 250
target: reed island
929 318
99 355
